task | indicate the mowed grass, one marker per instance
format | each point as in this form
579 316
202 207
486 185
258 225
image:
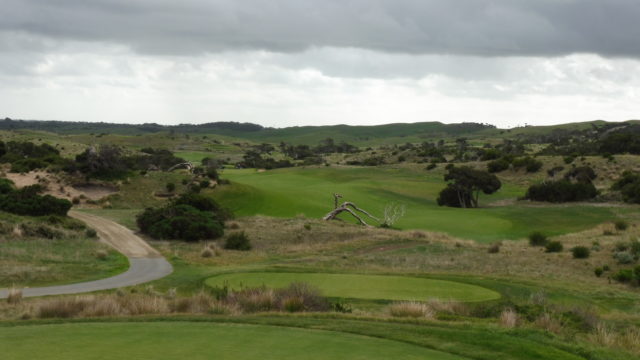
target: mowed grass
185 340
357 286
308 192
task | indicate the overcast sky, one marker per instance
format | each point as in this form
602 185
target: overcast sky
314 62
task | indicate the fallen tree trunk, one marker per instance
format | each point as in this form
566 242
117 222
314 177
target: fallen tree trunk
346 207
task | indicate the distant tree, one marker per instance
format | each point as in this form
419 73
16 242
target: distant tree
465 185
3 149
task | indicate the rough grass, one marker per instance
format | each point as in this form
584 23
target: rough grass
34 261
308 191
360 286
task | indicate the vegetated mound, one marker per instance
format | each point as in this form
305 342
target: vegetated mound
184 340
359 286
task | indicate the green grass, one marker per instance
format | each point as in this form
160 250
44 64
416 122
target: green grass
378 287
184 340
308 191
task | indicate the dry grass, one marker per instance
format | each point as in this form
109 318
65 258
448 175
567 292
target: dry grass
14 296
411 309
549 323
508 318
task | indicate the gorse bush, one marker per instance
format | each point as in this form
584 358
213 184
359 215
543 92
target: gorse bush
537 238
238 241
580 252
554 246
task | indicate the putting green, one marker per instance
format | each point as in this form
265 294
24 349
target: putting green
195 341
378 287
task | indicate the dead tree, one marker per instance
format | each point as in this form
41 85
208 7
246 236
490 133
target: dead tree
187 165
348 207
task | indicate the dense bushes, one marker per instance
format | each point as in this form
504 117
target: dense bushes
554 246
27 201
27 156
191 217
561 191
629 187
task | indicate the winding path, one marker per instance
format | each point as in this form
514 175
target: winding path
145 263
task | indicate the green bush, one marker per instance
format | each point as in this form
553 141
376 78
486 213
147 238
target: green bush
554 246
598 271
191 217
537 238
26 201
624 276
498 165
171 187
580 252
91 233
621 225
238 241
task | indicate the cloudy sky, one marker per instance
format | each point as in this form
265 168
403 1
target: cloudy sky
312 62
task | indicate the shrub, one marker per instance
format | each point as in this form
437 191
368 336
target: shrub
621 246
26 201
624 257
561 191
431 166
598 271
580 252
621 225
537 238
41 231
238 241
171 187
498 165
554 246
190 217
494 248
205 184
623 276
91 233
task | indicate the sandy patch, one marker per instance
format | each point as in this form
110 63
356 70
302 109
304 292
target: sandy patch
57 187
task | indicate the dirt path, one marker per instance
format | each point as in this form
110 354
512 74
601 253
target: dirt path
117 236
145 263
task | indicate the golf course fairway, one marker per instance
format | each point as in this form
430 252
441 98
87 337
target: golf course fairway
309 191
357 286
195 341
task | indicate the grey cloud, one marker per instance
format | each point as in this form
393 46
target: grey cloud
457 27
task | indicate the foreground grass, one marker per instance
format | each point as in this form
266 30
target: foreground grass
308 191
360 286
182 340
283 337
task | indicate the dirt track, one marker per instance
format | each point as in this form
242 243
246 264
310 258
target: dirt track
117 236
